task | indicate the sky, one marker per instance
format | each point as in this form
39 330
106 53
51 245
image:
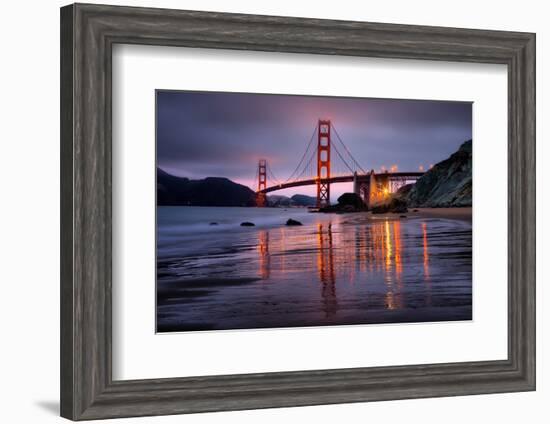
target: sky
211 134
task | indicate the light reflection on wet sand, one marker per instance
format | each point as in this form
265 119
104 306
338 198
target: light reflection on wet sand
336 269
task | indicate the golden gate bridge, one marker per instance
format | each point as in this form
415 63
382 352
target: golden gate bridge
327 161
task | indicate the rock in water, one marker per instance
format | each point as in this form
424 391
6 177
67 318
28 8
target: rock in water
293 222
247 224
447 184
213 223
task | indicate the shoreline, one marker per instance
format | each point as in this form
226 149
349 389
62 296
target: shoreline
450 213
461 214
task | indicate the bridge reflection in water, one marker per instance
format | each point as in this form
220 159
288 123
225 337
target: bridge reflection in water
263 254
325 268
373 253
333 270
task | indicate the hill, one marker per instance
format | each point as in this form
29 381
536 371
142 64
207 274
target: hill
278 201
446 184
303 200
211 191
294 201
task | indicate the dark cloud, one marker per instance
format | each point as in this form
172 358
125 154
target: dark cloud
203 134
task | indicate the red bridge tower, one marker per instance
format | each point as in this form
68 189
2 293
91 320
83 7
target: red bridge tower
323 163
262 183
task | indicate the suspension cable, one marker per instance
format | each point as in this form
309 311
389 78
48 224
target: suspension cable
254 188
307 167
272 174
343 160
303 156
347 150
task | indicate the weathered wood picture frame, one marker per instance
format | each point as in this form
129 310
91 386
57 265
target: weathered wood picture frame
88 33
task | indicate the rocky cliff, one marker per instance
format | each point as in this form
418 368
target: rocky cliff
446 184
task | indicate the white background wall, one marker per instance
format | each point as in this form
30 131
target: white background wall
29 181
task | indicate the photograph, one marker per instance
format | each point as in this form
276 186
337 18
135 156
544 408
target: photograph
277 211
257 212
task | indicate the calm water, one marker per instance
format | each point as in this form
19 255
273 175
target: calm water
335 269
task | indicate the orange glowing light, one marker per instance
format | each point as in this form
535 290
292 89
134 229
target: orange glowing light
397 242
388 245
425 250
421 168
390 301
263 251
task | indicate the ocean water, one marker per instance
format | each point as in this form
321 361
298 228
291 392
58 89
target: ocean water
334 270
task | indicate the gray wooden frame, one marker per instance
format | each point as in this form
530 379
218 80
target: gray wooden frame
88 33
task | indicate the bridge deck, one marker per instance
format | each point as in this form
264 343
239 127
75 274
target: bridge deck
341 179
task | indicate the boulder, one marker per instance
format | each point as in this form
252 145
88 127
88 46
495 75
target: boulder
351 199
395 205
347 202
292 222
380 209
247 224
398 206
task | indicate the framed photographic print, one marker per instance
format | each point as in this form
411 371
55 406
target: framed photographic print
263 211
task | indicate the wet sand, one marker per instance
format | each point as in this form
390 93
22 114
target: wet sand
336 269
464 214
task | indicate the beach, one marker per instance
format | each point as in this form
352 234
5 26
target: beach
464 214
335 269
